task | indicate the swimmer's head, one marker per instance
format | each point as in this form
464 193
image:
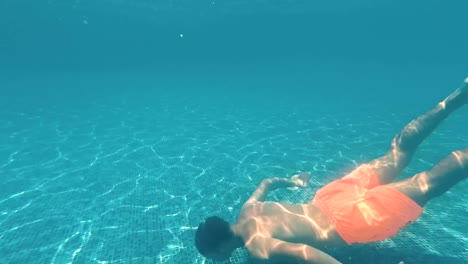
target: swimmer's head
213 237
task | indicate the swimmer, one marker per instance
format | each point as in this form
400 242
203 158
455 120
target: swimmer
363 206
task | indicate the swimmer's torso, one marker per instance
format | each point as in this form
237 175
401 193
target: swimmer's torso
294 223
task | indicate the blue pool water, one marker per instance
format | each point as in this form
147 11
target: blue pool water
123 124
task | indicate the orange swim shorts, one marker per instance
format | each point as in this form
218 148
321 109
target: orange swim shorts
364 211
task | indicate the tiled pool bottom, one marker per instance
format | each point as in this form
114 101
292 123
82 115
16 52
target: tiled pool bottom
126 186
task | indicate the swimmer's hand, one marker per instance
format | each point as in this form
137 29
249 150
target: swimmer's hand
300 180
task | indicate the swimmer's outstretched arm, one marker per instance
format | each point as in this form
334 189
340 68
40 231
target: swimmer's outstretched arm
273 250
271 184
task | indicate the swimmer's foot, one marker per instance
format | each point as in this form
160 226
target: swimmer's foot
458 98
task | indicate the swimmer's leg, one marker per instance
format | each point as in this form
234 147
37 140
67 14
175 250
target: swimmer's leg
430 184
405 143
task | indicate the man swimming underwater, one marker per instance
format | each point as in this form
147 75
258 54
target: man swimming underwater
363 206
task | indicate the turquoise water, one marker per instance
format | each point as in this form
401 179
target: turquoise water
125 123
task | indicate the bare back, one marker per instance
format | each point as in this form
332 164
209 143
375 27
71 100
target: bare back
294 223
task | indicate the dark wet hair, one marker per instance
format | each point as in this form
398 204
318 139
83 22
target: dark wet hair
211 233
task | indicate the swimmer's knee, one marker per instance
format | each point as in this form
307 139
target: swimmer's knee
400 145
